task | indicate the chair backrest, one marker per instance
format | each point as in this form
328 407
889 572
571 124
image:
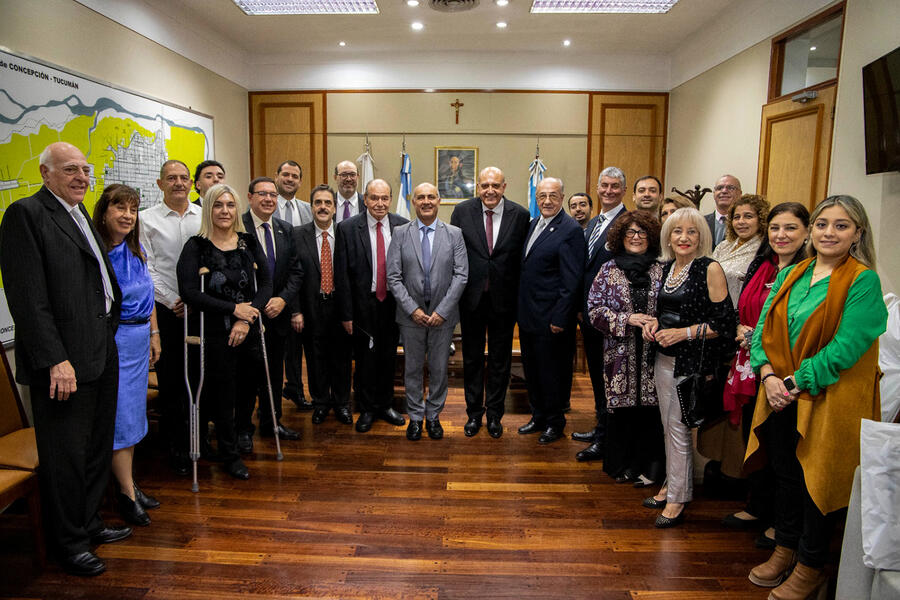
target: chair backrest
12 413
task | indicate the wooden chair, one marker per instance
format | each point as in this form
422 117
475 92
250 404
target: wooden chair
19 458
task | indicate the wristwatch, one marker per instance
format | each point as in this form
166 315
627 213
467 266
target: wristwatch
790 384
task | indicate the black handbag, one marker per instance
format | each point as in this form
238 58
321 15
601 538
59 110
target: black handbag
700 395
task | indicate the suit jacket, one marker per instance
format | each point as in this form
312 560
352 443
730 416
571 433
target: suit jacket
711 221
551 276
593 263
448 275
500 269
305 209
360 206
307 301
288 272
353 268
54 289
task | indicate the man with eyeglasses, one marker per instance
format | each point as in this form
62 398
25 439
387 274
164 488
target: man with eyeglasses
65 301
349 201
277 242
726 191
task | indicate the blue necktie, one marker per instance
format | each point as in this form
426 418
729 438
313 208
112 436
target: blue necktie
426 263
595 235
270 249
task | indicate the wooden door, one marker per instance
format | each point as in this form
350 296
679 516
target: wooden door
795 149
626 130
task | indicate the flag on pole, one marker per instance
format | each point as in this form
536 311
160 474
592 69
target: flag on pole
405 186
536 173
366 166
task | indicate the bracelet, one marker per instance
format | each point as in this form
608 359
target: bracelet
767 376
154 332
689 336
245 322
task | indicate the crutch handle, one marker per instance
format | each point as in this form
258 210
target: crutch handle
193 340
204 271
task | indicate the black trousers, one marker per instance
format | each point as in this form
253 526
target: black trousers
547 360
761 483
593 350
486 392
293 365
74 442
246 401
635 443
328 357
799 524
375 361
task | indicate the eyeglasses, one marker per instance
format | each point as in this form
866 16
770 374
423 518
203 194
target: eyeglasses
71 170
630 233
348 175
272 195
728 187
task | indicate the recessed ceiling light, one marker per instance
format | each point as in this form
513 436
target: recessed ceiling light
502 2
567 42
501 24
812 48
429 90
602 6
342 44
308 7
412 2
417 26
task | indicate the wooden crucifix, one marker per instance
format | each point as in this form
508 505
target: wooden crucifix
457 105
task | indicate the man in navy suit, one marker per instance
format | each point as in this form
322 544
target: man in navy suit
366 306
610 191
65 301
275 239
548 299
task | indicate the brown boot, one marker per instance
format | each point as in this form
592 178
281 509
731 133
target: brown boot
775 570
804 583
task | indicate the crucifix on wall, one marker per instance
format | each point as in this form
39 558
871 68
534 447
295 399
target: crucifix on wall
457 106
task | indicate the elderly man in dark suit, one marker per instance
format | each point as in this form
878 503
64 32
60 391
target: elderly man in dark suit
274 236
610 191
494 229
328 346
548 299
726 191
65 301
366 306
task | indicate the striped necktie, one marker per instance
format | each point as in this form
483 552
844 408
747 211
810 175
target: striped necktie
595 235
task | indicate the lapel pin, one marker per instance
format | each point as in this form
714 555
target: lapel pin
551 229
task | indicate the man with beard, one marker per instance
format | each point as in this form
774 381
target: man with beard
647 194
349 201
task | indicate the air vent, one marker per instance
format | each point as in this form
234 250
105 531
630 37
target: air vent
453 5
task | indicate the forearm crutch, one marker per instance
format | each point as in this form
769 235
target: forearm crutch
265 354
194 399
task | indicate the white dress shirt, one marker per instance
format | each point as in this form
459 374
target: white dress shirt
330 231
609 215
386 233
339 215
291 206
498 214
260 232
163 234
81 222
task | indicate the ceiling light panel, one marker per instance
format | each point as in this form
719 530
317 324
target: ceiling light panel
308 7
602 6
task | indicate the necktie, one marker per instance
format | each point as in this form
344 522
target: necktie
489 230
380 270
289 211
270 249
325 266
720 229
595 235
346 210
95 248
534 236
426 263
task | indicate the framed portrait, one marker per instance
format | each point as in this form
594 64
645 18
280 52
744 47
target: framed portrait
455 170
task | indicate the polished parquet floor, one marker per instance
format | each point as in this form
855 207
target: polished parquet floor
350 515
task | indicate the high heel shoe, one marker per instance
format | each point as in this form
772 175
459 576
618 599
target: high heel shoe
652 502
664 522
132 511
143 499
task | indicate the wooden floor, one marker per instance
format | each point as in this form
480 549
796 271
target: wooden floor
350 515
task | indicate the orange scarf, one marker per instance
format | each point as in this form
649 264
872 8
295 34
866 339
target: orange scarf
828 423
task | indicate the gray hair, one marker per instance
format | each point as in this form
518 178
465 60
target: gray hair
46 159
696 220
614 172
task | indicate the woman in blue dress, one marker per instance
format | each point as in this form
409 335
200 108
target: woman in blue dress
137 339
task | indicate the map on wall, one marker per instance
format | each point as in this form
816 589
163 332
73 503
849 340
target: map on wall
125 137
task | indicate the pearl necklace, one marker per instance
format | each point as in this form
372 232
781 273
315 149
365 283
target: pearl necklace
672 283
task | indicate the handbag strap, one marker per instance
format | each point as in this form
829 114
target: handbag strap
701 331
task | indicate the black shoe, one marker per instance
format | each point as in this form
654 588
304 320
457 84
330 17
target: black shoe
413 430
83 564
364 422
343 415
733 522
244 443
145 500
495 429
207 451
585 436
319 415
435 431
181 464
530 427
108 535
131 510
592 452
237 469
567 408
550 435
666 522
393 417
472 426
652 502
301 403
626 476
284 433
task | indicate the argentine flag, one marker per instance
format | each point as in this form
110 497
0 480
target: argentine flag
536 173
405 186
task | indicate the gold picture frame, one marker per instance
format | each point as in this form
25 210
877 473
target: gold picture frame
455 172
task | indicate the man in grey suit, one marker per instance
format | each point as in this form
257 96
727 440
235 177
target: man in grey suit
726 191
427 270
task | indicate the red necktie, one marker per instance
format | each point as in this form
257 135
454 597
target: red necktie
489 230
325 266
380 270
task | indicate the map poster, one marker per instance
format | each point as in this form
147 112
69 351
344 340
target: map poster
125 136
